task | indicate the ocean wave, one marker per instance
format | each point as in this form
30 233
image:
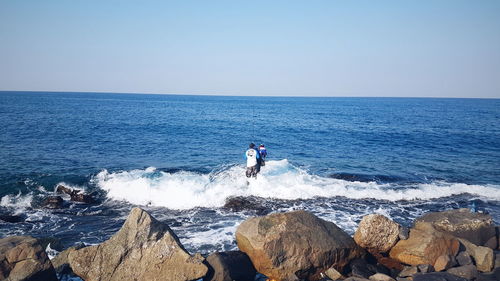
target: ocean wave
278 179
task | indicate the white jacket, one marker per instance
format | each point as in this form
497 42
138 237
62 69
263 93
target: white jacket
251 156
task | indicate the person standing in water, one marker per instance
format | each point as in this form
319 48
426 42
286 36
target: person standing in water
252 156
262 153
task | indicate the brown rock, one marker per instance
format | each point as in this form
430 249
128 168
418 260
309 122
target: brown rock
228 266
444 262
483 256
53 202
22 258
143 249
61 262
381 277
295 245
475 227
333 274
377 233
75 194
424 245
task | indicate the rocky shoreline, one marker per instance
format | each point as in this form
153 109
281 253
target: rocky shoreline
449 245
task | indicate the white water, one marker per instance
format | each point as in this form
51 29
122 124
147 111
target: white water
278 179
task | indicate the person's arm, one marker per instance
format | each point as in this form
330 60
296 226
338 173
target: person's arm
258 154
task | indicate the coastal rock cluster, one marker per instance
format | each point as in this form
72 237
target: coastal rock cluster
450 245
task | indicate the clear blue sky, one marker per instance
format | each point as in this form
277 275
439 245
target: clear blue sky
305 48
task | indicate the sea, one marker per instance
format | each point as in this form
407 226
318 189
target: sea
181 157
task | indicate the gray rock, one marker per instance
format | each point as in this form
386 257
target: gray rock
425 268
381 277
292 245
468 272
404 233
377 233
228 266
483 256
463 258
356 279
408 271
475 227
143 249
437 276
22 258
359 268
61 262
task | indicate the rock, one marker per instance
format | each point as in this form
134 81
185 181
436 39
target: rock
403 279
468 272
228 266
463 258
75 194
424 245
494 241
377 233
11 218
425 268
475 227
23 258
240 203
483 256
53 202
297 244
437 276
143 249
356 279
388 262
61 262
444 262
381 277
359 268
333 274
404 233
408 271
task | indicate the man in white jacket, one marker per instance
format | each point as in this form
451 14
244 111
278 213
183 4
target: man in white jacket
252 155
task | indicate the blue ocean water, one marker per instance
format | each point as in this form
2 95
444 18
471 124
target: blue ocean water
181 157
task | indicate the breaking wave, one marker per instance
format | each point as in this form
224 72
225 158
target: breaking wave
278 179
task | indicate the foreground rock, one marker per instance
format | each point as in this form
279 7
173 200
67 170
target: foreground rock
483 256
75 194
23 258
424 245
295 245
478 228
377 233
143 249
228 266
61 262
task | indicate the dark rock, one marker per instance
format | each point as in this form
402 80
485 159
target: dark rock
388 262
22 258
468 272
359 268
53 202
490 276
292 245
437 276
404 233
425 268
240 203
356 279
75 194
55 243
228 266
475 227
11 218
463 258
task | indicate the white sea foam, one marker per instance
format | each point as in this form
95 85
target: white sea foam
17 202
278 179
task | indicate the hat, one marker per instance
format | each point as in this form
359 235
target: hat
252 145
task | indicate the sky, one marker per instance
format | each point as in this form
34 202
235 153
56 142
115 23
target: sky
446 48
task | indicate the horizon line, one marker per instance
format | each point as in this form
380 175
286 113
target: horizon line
235 95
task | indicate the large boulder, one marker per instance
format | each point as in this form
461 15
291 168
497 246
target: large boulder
483 256
228 266
22 258
424 245
61 262
143 249
377 233
295 245
478 228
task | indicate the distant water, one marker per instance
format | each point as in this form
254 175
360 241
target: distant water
181 157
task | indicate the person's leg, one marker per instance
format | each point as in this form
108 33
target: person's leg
248 172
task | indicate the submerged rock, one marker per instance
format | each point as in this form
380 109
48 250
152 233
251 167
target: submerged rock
143 249
22 258
295 245
240 203
11 218
475 227
228 266
76 195
424 245
377 233
53 202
